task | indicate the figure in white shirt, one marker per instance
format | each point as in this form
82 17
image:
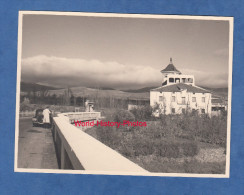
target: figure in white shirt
87 106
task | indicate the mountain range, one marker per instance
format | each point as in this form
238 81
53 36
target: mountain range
142 93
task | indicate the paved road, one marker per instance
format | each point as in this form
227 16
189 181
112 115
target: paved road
36 147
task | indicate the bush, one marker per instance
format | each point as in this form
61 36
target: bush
195 127
26 106
143 113
189 148
121 115
127 151
143 147
169 150
109 136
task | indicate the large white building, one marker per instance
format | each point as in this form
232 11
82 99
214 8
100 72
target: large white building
179 94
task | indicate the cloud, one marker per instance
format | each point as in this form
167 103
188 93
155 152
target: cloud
74 72
208 79
65 72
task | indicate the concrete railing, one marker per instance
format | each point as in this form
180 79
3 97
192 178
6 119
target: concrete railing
81 116
78 150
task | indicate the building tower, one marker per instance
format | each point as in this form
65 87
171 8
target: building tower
171 76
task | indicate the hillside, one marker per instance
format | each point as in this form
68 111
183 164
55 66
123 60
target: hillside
26 87
85 92
141 90
142 93
223 92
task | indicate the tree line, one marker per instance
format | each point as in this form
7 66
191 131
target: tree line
69 99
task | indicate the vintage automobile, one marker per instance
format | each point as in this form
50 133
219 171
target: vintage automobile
37 120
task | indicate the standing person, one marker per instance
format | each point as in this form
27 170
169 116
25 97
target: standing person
87 106
46 117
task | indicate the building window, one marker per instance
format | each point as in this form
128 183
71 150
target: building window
190 80
164 83
203 111
171 80
194 99
203 99
183 100
161 98
183 80
183 110
173 110
173 98
177 80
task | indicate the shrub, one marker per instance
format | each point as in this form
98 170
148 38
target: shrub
127 151
109 136
26 106
189 148
170 150
143 112
195 127
121 115
143 147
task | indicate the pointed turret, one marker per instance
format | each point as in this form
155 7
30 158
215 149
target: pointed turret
170 69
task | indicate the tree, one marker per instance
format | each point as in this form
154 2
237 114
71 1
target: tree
43 95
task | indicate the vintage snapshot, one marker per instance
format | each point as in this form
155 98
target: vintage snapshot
123 94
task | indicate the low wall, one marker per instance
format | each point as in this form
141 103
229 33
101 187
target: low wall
78 150
81 116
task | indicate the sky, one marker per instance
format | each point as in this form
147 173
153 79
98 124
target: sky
122 53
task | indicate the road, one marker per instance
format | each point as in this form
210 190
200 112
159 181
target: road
36 147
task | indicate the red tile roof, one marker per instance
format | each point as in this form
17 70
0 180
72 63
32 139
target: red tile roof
178 87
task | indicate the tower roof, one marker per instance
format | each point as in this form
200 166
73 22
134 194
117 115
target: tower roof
170 68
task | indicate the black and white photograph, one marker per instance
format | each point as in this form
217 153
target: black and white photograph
123 94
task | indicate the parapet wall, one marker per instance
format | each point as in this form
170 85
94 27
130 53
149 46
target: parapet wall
80 116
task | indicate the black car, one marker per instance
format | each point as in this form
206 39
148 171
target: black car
37 120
